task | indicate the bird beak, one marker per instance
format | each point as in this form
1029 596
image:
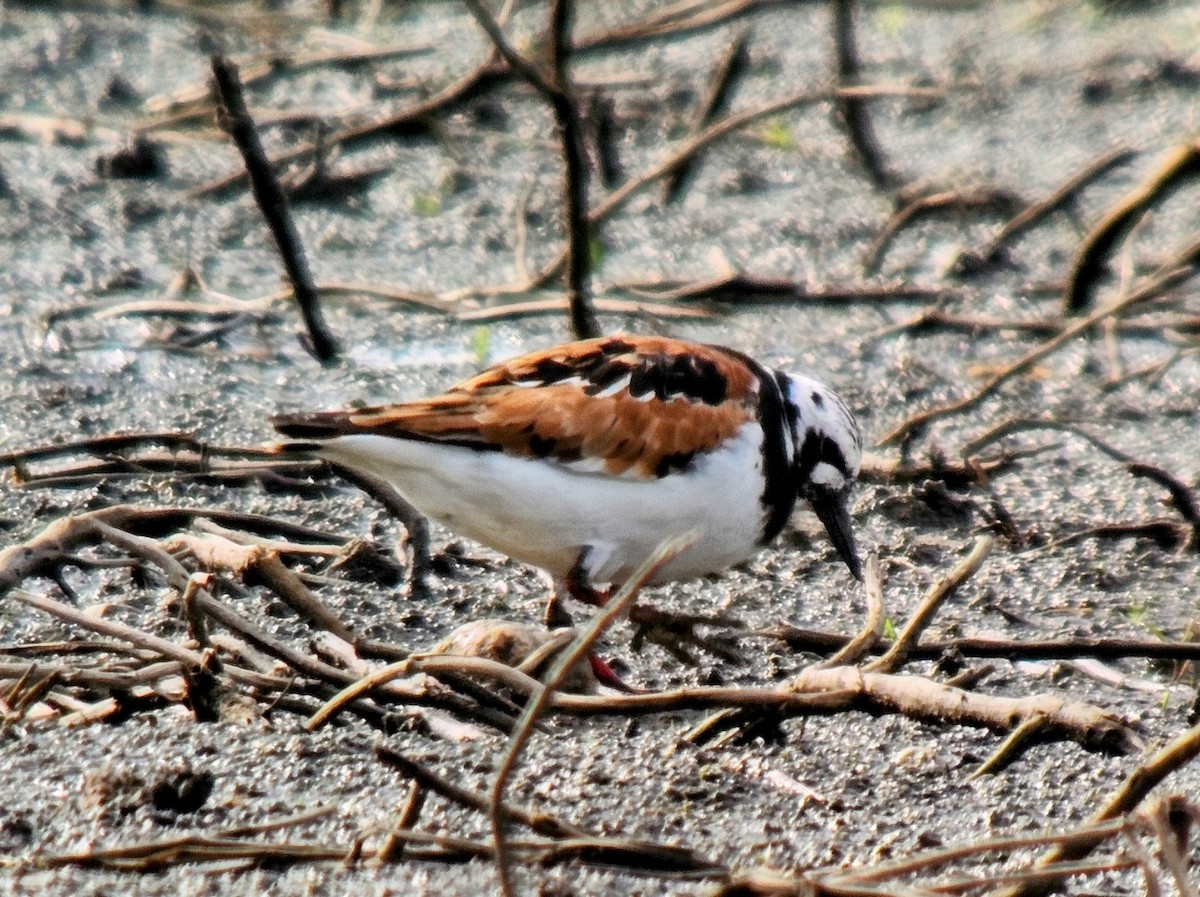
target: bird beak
830 505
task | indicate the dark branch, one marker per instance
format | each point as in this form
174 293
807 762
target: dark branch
854 110
555 89
731 68
1091 260
269 195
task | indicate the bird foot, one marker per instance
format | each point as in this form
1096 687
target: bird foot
556 616
607 676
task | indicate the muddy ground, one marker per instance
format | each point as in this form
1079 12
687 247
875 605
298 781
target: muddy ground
1026 95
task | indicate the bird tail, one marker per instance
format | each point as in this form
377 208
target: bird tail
321 425
311 430
295 449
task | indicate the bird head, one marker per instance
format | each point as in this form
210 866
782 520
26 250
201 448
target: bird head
827 454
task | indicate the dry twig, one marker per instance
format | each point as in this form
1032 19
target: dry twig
274 205
819 642
392 849
555 88
1181 751
494 71
921 698
982 197
563 665
510 311
410 518
919 621
855 649
1166 278
1182 166
715 103
852 110
564 840
741 288
195 101
686 149
672 21
1031 216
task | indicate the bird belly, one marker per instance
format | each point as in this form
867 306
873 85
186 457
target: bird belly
546 514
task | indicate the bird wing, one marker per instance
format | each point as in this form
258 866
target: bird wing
639 406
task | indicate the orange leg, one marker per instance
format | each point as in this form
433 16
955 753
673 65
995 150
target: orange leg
580 588
577 586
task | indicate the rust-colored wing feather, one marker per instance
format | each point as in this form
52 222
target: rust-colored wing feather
643 406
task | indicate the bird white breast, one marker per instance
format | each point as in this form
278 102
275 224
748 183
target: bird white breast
546 514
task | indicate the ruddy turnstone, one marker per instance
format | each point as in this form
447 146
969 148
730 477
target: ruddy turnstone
583 458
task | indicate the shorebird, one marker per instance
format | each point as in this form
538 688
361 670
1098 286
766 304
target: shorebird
583 458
